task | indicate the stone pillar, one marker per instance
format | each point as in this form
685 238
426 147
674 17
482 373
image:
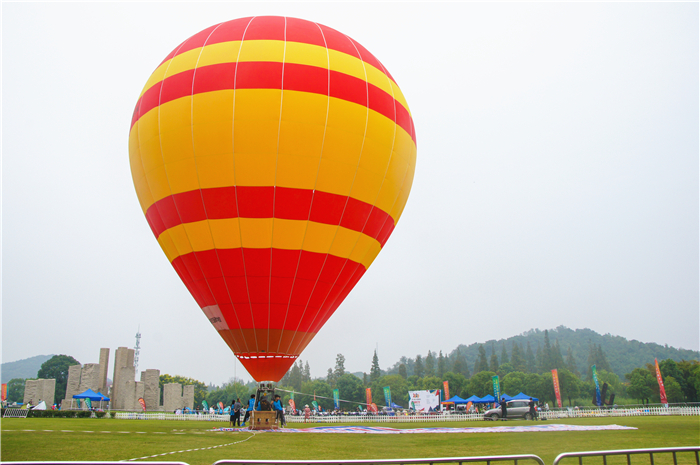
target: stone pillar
73 386
30 391
123 360
172 397
89 377
151 389
102 380
188 396
47 391
124 393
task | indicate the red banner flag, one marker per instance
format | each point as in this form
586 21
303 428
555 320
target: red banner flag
555 380
662 390
293 405
3 396
446 385
369 397
143 403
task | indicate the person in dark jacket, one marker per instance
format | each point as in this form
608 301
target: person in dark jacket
504 409
532 412
236 413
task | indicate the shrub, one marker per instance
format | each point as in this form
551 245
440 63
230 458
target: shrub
84 414
100 414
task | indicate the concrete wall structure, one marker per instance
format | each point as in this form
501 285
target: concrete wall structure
89 377
151 389
175 397
36 390
73 386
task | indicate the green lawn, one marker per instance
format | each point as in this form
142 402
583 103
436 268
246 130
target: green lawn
87 439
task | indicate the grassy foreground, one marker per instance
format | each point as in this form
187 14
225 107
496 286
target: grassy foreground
108 439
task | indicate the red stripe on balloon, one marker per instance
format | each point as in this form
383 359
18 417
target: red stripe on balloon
268 75
269 202
274 28
299 288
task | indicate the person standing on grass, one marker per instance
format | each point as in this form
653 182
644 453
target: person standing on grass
307 413
251 406
236 413
533 412
277 406
504 409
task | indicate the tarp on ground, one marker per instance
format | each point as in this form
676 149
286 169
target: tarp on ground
90 394
41 406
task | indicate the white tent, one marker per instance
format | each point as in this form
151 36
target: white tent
41 406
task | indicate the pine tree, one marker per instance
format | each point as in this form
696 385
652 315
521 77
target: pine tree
482 364
430 364
530 360
602 360
504 354
571 362
375 373
557 359
545 362
418 368
330 379
493 362
339 366
307 372
402 371
441 365
517 360
460 365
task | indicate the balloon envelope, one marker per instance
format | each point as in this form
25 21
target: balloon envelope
272 158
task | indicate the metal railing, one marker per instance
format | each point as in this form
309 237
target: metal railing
692 410
458 460
629 452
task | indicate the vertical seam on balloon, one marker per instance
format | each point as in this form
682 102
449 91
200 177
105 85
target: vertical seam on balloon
204 206
359 159
391 151
274 189
160 145
233 137
313 194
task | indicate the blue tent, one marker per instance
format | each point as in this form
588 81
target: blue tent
522 396
393 405
473 399
90 394
455 400
487 399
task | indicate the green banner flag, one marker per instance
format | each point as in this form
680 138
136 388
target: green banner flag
496 388
205 405
336 398
315 404
598 401
387 396
291 395
88 403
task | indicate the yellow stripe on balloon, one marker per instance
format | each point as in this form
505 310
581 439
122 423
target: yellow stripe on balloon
260 233
334 158
274 50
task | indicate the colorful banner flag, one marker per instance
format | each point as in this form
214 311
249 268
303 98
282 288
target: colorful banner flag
496 388
293 405
88 403
446 385
387 396
221 405
3 394
373 408
662 390
555 380
205 405
143 403
368 397
598 402
315 404
336 398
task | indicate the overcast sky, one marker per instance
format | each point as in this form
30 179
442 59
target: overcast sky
556 181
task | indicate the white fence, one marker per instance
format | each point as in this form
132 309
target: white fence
438 418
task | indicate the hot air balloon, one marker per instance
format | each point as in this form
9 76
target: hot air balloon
272 158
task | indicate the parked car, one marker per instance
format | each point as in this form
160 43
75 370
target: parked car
516 409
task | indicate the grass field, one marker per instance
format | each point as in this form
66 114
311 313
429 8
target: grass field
109 439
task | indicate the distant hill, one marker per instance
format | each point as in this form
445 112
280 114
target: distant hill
27 368
622 354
